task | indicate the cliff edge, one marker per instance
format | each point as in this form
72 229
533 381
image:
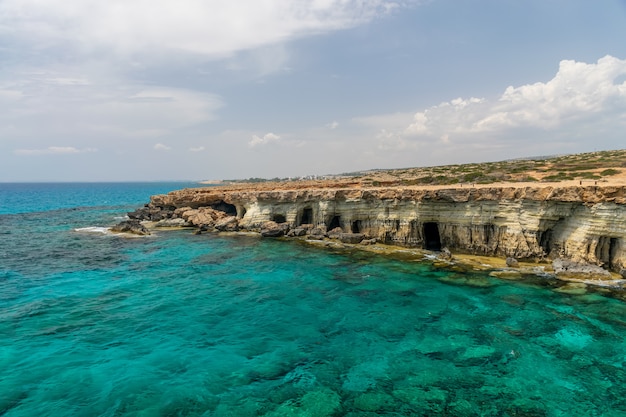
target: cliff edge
582 223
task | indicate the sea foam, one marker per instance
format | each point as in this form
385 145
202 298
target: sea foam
93 229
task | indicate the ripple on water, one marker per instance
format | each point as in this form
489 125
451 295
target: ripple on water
181 325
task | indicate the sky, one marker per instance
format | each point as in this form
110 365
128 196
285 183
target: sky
139 90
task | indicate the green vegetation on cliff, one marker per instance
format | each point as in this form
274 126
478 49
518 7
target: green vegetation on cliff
592 166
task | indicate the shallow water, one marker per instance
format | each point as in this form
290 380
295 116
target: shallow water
184 325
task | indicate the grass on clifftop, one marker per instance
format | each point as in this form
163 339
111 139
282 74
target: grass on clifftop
593 166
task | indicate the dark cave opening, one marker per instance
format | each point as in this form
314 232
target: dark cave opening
613 249
607 249
225 207
545 241
278 218
307 216
432 240
356 226
334 223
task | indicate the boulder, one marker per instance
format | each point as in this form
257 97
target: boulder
229 224
569 269
172 223
335 233
130 226
273 229
151 213
297 232
318 233
179 211
351 237
512 262
204 215
445 254
140 214
276 232
371 241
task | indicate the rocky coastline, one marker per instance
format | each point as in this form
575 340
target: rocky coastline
578 231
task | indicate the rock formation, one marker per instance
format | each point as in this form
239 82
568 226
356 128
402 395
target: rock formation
583 224
132 226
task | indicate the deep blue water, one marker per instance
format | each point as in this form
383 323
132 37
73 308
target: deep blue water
93 324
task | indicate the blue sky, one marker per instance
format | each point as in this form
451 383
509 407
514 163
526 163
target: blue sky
124 90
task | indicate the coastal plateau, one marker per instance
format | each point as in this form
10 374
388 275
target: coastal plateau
578 225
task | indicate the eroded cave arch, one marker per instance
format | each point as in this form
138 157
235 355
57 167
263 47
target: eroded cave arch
278 218
306 217
334 222
432 239
227 208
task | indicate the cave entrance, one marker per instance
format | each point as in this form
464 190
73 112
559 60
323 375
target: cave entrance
356 226
606 251
229 209
432 240
307 216
334 223
278 218
613 248
545 241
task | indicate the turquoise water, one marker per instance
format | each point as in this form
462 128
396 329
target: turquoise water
175 324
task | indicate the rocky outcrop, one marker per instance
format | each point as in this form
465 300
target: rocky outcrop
584 224
564 268
132 226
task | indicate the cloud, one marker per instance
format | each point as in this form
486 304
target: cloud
262 141
579 93
209 28
162 147
54 150
333 125
98 106
196 149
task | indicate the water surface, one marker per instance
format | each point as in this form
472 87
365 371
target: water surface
175 324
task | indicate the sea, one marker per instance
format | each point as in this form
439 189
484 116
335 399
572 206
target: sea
177 324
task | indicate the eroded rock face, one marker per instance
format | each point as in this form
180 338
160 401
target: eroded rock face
582 224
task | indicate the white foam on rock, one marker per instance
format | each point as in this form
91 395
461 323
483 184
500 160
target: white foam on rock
93 229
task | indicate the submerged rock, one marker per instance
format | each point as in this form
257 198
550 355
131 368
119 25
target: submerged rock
131 226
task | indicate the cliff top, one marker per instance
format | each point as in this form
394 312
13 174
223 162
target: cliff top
604 168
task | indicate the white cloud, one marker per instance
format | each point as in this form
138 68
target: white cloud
208 27
98 106
54 150
579 93
333 125
161 147
196 149
265 140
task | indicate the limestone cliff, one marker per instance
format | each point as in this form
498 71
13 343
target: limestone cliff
581 223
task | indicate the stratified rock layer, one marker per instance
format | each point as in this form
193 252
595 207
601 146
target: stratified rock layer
585 224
